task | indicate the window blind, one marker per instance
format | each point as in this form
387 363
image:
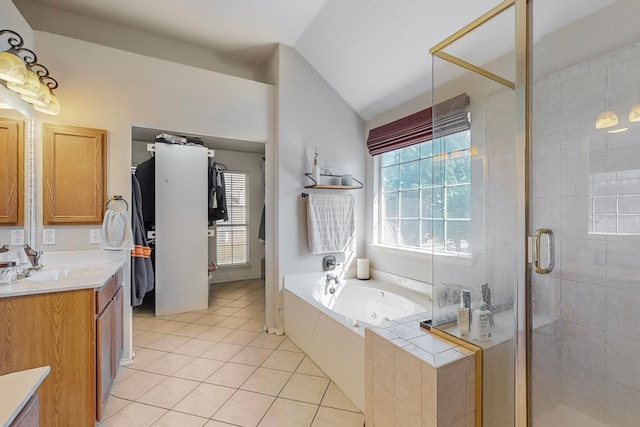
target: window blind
231 239
415 128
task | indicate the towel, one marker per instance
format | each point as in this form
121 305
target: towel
331 222
116 231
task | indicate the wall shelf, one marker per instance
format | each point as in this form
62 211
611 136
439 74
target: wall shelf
332 186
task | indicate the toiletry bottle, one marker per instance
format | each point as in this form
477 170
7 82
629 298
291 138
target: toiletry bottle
463 313
315 172
482 321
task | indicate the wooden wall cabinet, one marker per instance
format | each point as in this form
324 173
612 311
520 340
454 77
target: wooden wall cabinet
79 335
11 172
74 174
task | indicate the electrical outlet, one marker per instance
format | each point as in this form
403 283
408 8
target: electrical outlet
94 236
48 236
17 237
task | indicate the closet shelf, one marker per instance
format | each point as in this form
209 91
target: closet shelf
332 186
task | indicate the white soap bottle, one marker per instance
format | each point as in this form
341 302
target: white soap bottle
481 324
315 171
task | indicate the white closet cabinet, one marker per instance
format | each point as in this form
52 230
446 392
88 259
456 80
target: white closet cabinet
181 251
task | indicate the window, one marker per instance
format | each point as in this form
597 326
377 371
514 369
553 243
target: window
425 195
231 236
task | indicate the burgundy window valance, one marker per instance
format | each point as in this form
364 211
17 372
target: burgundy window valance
419 127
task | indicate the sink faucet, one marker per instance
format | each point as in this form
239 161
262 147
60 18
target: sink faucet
327 281
34 258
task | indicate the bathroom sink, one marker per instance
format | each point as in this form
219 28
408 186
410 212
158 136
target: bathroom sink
54 274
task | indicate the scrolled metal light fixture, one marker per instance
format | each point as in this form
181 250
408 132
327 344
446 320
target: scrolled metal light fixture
20 69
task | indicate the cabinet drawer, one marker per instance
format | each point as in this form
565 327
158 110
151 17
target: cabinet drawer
105 294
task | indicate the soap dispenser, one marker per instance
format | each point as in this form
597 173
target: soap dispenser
482 321
315 171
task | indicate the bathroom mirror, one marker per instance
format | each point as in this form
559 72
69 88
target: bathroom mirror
21 113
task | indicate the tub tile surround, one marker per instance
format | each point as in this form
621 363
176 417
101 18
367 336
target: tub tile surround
406 389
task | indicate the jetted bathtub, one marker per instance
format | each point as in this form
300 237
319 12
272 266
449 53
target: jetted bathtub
329 327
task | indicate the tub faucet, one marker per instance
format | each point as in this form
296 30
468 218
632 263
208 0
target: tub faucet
327 281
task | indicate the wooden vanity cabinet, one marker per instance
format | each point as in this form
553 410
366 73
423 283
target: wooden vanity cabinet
11 172
79 335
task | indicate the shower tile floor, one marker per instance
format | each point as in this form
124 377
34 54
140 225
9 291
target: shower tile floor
216 367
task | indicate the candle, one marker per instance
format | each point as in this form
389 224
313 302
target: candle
362 268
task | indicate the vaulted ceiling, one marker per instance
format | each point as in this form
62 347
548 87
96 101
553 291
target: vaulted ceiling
374 53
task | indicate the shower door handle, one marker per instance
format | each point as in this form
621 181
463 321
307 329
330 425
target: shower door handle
550 251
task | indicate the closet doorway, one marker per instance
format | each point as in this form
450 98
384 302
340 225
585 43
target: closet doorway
231 249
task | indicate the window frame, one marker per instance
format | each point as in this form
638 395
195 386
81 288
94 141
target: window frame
221 225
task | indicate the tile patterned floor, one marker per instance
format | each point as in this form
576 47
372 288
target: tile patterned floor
216 368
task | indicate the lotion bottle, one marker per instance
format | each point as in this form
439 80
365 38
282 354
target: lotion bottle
481 326
315 171
463 314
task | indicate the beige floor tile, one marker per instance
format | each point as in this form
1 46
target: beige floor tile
239 303
260 315
252 355
148 324
305 388
220 302
178 419
247 313
256 305
194 347
309 368
215 333
240 337
222 351
335 398
214 423
231 375
252 325
225 311
135 415
233 323
205 400
144 357
168 343
168 392
266 381
114 404
168 364
191 330
210 319
289 413
330 417
166 316
244 408
136 385
168 327
283 360
144 338
199 369
288 345
124 372
189 317
268 340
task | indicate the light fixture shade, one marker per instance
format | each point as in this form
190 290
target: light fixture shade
53 108
42 99
634 114
12 68
30 87
606 119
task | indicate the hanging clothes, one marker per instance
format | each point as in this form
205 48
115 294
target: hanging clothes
146 176
217 193
142 277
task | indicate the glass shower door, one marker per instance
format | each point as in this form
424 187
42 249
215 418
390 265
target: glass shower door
585 187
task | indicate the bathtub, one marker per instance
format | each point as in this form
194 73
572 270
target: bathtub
329 328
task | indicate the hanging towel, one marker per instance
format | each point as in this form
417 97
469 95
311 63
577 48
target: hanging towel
116 231
142 278
331 222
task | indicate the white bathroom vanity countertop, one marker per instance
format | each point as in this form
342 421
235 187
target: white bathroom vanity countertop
67 271
16 389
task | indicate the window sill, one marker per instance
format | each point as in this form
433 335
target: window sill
417 253
233 266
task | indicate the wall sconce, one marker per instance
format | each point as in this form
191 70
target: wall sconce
20 69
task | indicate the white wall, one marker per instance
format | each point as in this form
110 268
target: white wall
310 113
110 89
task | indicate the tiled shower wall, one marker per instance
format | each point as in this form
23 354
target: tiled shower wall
585 355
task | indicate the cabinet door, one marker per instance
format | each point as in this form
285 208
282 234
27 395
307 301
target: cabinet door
11 172
118 331
74 174
104 345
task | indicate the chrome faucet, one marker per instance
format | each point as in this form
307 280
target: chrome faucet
34 259
327 281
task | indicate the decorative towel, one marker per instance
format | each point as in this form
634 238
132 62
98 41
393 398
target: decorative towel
331 222
116 231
